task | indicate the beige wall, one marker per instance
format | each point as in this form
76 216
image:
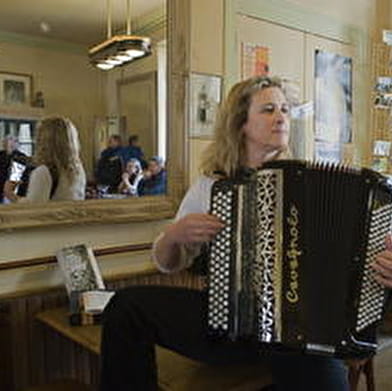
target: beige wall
207 56
147 136
208 53
207 36
70 85
353 12
71 88
367 16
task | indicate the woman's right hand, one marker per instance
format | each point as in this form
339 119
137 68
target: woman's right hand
194 228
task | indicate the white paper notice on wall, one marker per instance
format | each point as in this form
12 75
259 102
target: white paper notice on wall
303 110
387 37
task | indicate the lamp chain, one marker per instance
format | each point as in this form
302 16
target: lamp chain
109 20
128 17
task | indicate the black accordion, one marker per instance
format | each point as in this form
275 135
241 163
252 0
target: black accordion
291 268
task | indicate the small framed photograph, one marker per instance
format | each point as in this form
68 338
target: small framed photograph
380 164
387 37
381 148
384 85
15 88
205 96
383 101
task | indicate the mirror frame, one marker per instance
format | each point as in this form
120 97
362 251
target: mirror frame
23 216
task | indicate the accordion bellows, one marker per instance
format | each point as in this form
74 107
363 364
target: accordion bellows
291 268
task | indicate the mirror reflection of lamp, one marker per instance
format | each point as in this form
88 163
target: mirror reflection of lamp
118 50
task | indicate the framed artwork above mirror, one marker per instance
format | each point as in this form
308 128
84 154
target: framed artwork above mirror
21 216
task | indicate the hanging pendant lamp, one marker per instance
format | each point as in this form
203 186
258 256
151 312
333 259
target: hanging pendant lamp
119 50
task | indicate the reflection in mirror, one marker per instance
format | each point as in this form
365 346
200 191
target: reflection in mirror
120 114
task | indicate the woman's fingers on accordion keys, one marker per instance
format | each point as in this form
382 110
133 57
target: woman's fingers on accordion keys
206 233
387 282
388 242
198 227
383 267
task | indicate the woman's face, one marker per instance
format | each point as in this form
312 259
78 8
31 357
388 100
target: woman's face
267 127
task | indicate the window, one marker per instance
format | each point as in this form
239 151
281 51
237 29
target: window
23 130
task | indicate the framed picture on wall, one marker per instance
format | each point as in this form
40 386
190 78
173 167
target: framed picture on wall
205 96
15 88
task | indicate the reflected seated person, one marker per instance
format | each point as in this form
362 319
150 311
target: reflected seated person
154 178
8 155
131 178
17 184
110 166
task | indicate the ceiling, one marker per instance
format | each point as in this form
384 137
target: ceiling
76 21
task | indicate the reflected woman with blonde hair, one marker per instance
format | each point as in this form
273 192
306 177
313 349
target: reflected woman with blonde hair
59 174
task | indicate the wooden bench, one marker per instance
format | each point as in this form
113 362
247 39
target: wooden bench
61 385
178 373
175 372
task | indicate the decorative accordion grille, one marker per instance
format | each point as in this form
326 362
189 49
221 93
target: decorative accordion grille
266 251
371 298
219 273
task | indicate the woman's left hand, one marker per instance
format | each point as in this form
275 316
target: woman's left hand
383 264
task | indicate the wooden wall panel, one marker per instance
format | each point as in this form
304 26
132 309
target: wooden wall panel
6 368
32 354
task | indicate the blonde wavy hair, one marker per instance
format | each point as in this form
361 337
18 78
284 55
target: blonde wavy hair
224 156
57 146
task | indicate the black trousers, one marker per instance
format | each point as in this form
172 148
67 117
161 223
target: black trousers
137 318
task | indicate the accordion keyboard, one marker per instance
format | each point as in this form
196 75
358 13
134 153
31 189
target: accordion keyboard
218 300
372 294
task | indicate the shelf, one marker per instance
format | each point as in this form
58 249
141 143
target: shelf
21 112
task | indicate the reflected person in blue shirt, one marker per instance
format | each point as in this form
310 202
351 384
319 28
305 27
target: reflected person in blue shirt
133 151
154 180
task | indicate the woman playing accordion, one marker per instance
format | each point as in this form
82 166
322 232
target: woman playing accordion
251 130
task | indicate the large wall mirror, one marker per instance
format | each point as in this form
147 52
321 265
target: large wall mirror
47 65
